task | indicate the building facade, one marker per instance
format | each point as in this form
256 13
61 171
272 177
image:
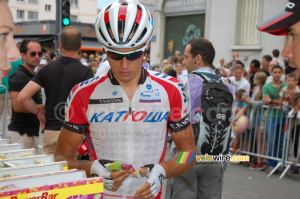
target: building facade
84 11
229 24
37 19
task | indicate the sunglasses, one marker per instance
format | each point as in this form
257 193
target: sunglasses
33 54
131 56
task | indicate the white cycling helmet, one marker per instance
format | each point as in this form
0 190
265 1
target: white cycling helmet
124 25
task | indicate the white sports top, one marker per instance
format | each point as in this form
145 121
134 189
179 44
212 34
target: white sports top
132 132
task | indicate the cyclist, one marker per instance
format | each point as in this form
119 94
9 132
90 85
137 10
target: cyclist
125 113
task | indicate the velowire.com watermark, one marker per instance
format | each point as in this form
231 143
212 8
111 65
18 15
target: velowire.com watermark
187 158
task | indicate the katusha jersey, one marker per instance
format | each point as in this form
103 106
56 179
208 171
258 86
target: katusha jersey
133 132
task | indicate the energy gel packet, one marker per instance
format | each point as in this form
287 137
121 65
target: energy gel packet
118 166
114 166
129 169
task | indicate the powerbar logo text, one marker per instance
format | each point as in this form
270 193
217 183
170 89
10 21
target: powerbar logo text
222 158
45 195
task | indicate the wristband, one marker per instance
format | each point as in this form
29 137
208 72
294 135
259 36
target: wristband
38 111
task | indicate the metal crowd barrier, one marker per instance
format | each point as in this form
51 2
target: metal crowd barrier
3 130
271 139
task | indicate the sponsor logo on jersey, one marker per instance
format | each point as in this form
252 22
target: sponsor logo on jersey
150 96
148 86
135 116
106 101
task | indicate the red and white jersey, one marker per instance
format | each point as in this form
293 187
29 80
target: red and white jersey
133 132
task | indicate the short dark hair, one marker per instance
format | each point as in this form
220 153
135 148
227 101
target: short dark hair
276 66
24 45
203 47
291 75
240 63
172 73
256 63
265 71
180 59
275 53
268 58
238 66
239 93
70 38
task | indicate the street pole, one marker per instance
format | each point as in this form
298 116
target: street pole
58 26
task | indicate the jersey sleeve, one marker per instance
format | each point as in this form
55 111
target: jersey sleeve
39 77
16 83
178 119
75 111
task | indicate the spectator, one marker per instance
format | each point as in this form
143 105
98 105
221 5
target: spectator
24 125
256 114
64 73
287 93
165 62
240 109
53 57
204 180
91 58
177 54
179 69
172 73
265 62
270 78
276 54
295 133
172 61
167 68
276 121
254 67
235 57
42 63
238 80
93 66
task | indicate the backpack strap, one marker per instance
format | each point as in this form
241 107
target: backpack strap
205 76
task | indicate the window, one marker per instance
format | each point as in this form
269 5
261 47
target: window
33 15
47 7
20 14
74 3
74 18
249 14
33 1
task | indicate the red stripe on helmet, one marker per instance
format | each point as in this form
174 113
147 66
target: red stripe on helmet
122 13
106 17
138 16
275 21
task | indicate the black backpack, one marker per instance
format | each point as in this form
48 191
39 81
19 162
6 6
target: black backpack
212 130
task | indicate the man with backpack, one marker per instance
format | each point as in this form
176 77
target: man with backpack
210 115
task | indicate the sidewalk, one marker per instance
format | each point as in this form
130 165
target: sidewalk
240 182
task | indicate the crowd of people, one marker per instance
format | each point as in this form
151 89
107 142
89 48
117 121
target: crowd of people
124 108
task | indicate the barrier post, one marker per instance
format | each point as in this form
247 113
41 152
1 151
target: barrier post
4 113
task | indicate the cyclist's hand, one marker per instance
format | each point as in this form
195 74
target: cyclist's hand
112 181
155 174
